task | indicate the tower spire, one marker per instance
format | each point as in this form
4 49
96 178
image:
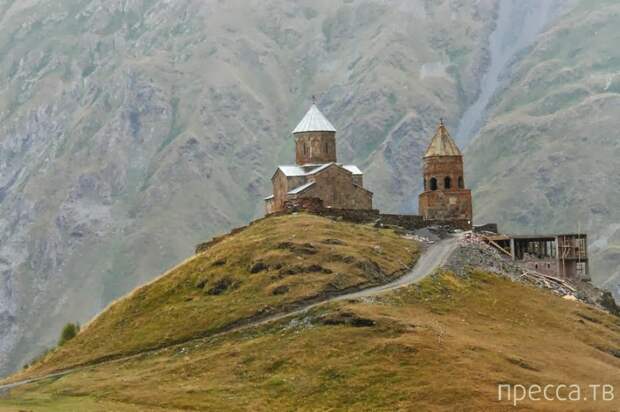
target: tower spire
314 121
442 143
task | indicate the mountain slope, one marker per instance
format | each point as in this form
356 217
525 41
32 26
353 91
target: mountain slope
131 130
547 160
445 343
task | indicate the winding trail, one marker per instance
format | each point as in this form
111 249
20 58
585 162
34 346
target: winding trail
434 257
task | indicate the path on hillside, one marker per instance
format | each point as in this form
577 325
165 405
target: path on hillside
435 256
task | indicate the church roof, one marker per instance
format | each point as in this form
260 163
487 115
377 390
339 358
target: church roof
292 171
314 121
301 188
442 144
353 169
311 169
305 170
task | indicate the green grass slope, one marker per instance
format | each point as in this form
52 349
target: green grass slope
272 265
442 345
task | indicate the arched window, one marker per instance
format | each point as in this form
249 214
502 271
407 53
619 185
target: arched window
461 183
433 183
305 150
447 182
326 147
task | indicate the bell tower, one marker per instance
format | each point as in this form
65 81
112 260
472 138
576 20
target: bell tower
445 196
315 139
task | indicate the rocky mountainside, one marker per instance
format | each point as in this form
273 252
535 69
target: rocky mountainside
130 130
548 158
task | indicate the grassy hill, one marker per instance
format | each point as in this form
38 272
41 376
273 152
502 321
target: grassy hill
439 345
272 265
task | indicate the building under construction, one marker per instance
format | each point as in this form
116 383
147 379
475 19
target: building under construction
564 256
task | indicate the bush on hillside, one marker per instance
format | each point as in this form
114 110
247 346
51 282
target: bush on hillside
69 332
608 302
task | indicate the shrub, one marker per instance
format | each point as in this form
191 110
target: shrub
608 302
69 332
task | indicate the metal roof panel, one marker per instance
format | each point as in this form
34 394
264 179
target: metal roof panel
314 121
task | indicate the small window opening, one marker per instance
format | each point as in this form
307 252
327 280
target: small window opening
461 183
433 183
447 182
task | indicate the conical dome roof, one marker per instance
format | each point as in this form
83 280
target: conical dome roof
442 144
314 121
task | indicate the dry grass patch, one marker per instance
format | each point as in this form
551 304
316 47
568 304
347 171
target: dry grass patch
443 345
272 265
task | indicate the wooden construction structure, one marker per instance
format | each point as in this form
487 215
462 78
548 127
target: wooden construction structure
564 255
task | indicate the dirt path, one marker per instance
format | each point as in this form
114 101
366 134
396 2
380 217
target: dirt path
434 257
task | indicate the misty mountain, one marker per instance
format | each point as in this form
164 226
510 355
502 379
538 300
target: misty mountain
131 130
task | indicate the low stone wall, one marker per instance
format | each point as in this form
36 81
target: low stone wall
409 222
488 227
415 222
462 224
352 215
305 204
315 206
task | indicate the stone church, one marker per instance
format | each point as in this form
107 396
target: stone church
317 173
445 196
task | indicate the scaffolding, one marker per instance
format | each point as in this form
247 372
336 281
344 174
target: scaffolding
564 255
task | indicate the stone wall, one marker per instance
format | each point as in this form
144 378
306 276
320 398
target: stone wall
334 185
358 180
452 204
487 227
462 224
409 222
304 204
269 206
280 189
445 195
548 266
315 147
441 167
316 206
